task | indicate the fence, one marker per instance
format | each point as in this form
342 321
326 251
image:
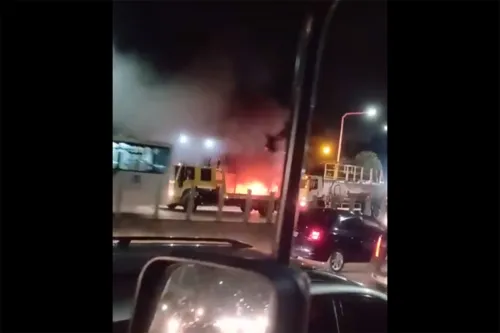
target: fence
146 201
353 173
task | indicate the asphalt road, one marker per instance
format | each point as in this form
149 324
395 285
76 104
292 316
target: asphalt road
357 272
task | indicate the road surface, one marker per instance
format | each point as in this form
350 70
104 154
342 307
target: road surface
256 232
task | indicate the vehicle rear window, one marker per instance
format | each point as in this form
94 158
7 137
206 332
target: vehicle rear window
322 217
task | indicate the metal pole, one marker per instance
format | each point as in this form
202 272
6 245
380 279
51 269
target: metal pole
248 206
270 208
119 185
341 136
309 50
339 148
220 203
158 198
119 193
190 206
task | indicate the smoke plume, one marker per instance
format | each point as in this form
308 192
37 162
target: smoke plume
201 102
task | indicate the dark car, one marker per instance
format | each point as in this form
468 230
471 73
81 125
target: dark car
379 262
328 238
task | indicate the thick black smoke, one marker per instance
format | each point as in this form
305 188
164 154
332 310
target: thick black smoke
199 73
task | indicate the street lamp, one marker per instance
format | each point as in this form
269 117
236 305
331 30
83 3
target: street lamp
385 128
369 112
326 150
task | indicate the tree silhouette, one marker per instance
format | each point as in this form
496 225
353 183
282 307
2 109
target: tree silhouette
368 160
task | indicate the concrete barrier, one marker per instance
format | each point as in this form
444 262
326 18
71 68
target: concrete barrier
260 235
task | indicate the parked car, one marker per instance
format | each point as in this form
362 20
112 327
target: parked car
329 238
379 262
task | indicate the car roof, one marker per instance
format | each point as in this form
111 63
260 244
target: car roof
369 220
131 258
319 210
319 276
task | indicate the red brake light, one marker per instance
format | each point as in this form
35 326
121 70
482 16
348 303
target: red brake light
315 235
377 248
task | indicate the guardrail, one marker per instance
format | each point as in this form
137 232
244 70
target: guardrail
259 235
220 213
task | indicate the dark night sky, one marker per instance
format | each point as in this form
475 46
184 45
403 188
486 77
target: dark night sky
260 38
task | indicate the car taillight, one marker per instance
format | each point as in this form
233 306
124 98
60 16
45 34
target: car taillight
377 248
315 235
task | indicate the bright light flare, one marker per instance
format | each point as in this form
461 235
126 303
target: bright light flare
384 128
200 312
173 325
209 143
183 139
326 150
242 324
257 188
371 112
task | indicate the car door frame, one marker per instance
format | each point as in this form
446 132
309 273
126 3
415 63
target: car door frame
337 299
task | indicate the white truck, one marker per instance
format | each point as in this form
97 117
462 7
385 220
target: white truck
339 184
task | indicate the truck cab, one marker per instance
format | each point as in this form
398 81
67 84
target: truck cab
204 180
310 188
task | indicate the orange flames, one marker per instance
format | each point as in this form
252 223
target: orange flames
257 188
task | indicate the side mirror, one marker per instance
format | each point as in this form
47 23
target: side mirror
176 295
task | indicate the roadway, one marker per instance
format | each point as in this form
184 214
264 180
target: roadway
173 223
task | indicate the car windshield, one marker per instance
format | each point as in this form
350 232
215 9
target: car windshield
202 98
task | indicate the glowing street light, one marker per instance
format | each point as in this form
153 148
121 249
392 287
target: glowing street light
326 150
385 128
370 112
183 139
209 143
